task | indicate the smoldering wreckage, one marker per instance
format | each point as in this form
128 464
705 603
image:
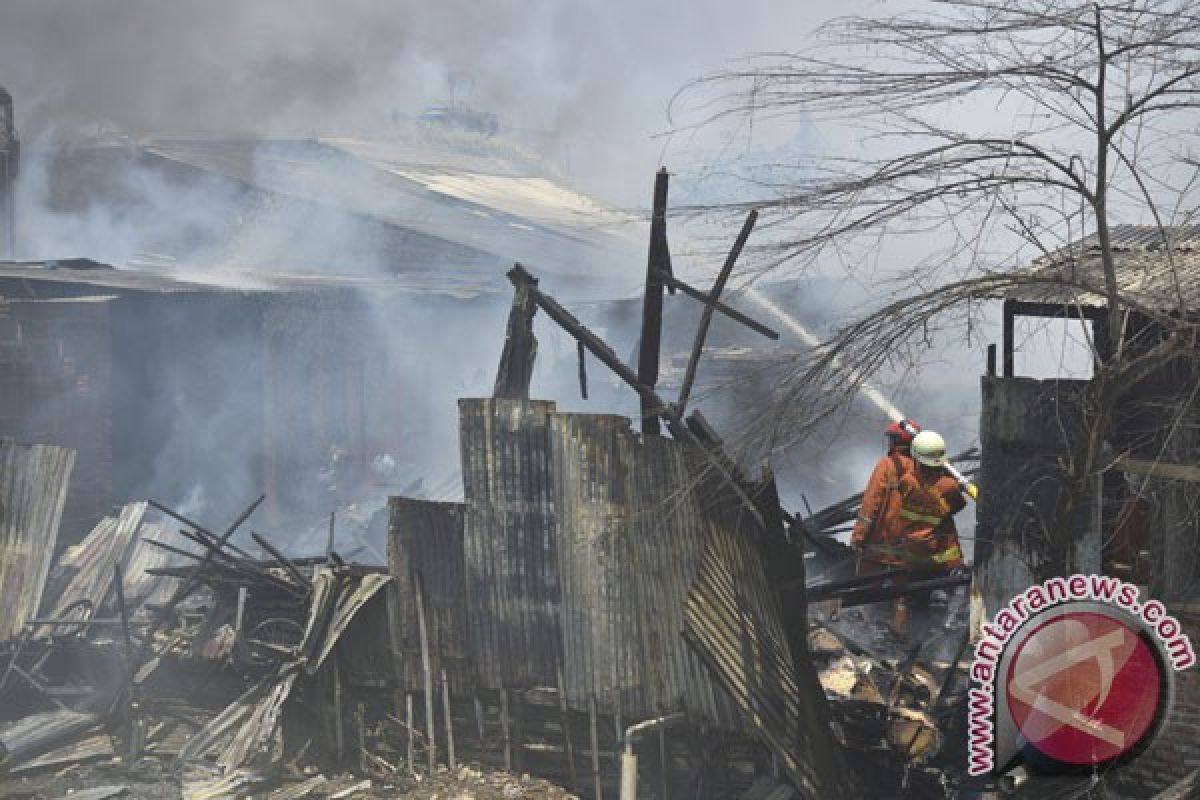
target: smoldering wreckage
609 612
618 613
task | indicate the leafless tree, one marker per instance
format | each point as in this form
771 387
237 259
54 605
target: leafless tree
1003 130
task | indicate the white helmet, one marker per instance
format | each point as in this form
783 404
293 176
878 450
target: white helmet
929 448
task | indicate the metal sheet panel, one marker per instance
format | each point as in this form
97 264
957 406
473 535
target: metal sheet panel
426 539
90 563
140 586
1160 272
33 490
671 525
630 539
733 622
510 540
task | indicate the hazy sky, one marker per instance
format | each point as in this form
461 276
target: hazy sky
589 78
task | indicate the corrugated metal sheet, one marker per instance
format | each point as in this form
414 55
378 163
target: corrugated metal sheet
88 566
510 541
630 538
670 524
241 746
481 205
734 622
140 586
426 538
1160 272
33 489
579 507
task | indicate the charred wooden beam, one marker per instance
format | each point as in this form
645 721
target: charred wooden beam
283 560
520 348
209 537
658 263
650 399
862 595
689 375
1007 335
123 611
729 311
193 581
230 567
815 590
582 356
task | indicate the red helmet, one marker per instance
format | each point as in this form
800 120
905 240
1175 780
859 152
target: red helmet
902 434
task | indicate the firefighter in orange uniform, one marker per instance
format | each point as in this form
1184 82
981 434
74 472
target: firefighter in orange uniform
876 531
907 518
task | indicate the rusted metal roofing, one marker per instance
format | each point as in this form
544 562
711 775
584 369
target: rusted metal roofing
426 539
1158 270
33 489
510 541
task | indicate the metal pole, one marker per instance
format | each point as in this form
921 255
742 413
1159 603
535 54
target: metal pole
629 759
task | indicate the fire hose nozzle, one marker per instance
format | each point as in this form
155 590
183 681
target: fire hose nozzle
971 489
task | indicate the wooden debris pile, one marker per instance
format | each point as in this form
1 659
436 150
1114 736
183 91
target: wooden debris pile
896 704
152 648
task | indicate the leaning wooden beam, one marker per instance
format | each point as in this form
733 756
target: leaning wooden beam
123 611
205 533
520 349
651 400
193 581
732 313
689 375
283 560
229 566
658 263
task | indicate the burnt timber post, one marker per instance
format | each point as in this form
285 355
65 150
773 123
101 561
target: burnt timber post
710 306
658 264
520 347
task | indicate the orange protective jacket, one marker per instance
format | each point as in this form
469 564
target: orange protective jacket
906 520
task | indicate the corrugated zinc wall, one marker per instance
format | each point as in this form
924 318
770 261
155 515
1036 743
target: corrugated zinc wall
630 539
734 623
579 507
510 541
426 539
33 489
671 527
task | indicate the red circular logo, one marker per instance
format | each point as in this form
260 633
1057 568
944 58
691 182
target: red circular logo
1084 688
